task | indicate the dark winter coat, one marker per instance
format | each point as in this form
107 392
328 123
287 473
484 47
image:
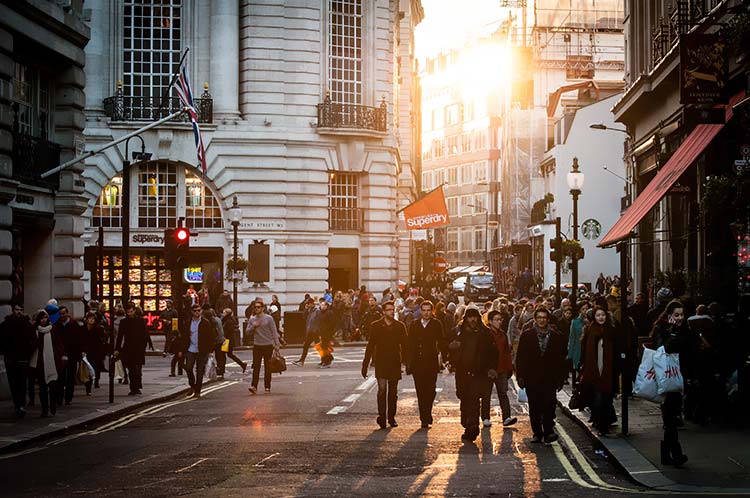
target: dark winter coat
475 353
231 330
424 344
93 342
71 336
132 340
386 348
541 371
17 338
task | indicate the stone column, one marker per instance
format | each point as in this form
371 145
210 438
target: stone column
225 58
70 202
7 185
98 57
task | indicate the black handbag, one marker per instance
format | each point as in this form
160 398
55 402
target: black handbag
580 398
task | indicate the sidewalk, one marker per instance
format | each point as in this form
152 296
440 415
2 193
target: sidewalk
719 457
157 386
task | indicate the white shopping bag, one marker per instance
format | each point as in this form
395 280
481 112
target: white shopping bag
645 380
522 397
211 368
119 370
668 374
92 373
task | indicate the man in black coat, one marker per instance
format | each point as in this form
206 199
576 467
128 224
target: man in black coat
17 342
70 331
386 347
474 357
198 337
131 347
426 339
541 369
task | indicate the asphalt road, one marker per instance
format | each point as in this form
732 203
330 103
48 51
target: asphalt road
314 436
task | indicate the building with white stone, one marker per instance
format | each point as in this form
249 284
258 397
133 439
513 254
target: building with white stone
308 111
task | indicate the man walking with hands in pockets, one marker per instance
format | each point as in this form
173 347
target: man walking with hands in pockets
265 341
426 340
386 347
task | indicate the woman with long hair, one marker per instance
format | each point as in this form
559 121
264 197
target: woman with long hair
93 339
670 330
46 362
598 371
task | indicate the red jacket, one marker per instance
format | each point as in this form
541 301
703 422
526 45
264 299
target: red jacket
504 360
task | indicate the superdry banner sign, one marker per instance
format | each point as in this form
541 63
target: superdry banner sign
703 69
427 212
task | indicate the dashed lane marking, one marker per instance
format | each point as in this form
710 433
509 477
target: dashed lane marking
351 398
336 410
260 464
200 461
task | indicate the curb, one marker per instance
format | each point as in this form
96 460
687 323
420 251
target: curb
638 468
287 346
50 432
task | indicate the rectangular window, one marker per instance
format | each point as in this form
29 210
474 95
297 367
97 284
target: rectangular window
157 196
439 177
464 208
452 240
344 213
453 175
152 51
480 203
452 144
201 208
479 239
480 171
467 174
345 51
426 180
465 142
451 115
452 205
467 236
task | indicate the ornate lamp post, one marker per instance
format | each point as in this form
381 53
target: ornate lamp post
575 182
235 215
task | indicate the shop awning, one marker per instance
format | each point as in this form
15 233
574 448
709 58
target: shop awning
471 269
458 269
683 157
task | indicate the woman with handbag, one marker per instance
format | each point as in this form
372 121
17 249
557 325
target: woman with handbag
93 339
671 331
599 372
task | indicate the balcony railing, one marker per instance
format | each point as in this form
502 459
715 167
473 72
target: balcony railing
33 156
346 219
125 108
666 34
352 116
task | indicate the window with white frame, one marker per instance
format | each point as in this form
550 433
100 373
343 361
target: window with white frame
451 114
426 180
201 208
480 139
480 171
467 174
464 205
439 177
343 202
452 175
452 144
452 205
152 50
31 101
465 142
157 195
345 51
480 203
452 240
108 208
467 239
479 238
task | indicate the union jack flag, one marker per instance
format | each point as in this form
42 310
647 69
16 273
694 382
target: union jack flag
186 97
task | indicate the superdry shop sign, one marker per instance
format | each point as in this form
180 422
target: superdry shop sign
428 212
703 69
147 239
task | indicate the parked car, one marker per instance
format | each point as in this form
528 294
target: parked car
569 287
459 284
480 287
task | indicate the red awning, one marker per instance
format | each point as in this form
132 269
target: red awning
683 157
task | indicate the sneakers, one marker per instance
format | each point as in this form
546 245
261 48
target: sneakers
219 377
172 375
252 390
298 363
510 421
425 425
190 394
550 438
487 422
326 365
268 390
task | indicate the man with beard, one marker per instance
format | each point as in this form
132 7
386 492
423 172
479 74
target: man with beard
541 370
387 349
474 356
426 339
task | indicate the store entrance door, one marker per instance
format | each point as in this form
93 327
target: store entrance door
343 269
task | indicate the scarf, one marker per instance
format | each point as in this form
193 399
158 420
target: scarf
543 338
49 370
598 357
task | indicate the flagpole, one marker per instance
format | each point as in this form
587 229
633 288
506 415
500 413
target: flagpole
165 95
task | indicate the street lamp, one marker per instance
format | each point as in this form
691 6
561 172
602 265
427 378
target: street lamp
235 215
575 182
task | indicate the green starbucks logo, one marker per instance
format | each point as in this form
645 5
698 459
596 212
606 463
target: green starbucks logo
591 229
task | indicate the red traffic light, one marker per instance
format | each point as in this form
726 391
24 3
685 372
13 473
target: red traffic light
182 234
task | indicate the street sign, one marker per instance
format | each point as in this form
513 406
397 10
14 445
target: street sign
440 265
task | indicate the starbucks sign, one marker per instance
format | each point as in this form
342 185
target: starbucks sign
591 229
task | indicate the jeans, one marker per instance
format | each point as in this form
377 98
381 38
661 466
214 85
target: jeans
67 383
542 402
262 353
425 383
17 372
196 368
309 341
500 383
387 389
179 362
469 389
221 360
136 376
671 408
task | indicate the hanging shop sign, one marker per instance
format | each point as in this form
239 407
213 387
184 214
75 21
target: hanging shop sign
703 69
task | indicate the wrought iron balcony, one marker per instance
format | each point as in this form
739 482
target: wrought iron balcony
126 108
32 156
352 116
667 33
346 219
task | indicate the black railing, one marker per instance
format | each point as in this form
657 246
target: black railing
33 156
666 33
346 219
125 108
352 116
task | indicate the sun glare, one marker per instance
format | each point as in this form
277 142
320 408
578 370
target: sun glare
485 70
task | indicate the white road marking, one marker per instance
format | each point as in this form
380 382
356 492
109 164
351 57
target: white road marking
351 398
260 464
413 390
200 461
336 410
212 419
367 384
136 462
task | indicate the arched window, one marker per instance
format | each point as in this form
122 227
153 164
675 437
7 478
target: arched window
161 193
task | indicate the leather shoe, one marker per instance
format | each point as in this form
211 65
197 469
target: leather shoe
381 422
393 423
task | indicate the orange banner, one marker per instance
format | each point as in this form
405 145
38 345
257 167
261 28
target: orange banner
429 211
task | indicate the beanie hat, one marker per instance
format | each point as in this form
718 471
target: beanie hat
472 312
451 307
664 294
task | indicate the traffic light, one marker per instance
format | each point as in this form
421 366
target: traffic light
556 250
176 247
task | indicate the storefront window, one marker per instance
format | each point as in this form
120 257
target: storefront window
107 211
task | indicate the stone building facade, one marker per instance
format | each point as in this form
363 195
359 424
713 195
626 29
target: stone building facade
305 113
42 119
